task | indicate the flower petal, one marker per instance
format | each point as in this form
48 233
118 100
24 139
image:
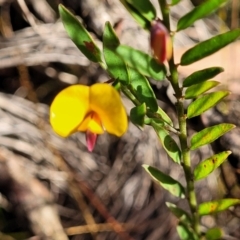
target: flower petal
69 109
92 123
91 139
105 101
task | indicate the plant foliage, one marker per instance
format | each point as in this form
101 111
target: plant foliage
131 69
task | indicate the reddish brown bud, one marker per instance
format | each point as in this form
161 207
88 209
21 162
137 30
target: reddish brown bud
161 43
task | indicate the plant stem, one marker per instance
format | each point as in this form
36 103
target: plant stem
186 161
186 164
130 95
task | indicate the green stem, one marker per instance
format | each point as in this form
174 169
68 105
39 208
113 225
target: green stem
186 164
129 95
172 66
186 161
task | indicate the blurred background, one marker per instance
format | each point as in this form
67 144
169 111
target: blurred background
52 188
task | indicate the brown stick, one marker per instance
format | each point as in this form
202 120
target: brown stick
96 202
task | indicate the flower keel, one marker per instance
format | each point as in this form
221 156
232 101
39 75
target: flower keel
91 139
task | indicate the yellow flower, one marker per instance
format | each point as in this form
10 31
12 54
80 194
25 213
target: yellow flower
88 109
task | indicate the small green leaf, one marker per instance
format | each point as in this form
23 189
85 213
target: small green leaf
214 234
164 116
174 2
142 62
207 208
168 142
168 183
204 168
179 213
145 8
116 84
137 115
202 76
199 12
209 135
80 36
209 47
185 232
110 39
143 89
141 20
204 103
200 88
116 66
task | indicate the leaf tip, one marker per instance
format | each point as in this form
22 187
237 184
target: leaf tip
145 166
221 69
61 8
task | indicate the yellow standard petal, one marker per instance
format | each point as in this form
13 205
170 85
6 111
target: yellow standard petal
69 109
106 102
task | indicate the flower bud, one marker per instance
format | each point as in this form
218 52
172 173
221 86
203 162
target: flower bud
161 42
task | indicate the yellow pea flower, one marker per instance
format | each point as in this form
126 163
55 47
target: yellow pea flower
88 109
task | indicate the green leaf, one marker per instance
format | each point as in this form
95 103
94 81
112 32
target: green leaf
199 12
204 103
179 213
137 115
168 142
209 47
143 89
214 234
168 183
204 168
185 232
116 84
209 135
164 116
141 20
116 66
80 36
110 39
200 88
142 62
202 76
207 208
145 8
174 2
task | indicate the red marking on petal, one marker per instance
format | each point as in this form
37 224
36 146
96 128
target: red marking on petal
91 139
